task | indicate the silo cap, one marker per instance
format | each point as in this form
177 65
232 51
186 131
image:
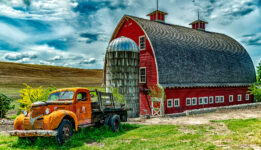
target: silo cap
123 44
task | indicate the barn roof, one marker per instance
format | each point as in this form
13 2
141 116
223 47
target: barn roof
187 57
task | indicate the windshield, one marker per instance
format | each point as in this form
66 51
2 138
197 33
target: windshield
65 95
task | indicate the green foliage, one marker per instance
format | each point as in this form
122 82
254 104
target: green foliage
117 96
259 72
157 91
5 105
256 91
30 95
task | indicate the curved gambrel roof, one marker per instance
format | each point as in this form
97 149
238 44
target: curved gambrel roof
187 57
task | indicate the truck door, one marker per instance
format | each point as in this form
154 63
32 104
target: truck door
83 107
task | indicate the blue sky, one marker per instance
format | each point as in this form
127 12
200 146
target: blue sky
75 33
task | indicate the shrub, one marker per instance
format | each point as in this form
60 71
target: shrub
5 105
255 90
117 96
30 95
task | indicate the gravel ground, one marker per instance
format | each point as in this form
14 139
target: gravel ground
202 118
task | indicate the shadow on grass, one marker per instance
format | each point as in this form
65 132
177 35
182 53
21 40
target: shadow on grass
85 136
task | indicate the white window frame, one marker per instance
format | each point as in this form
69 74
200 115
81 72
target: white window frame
143 36
231 98
192 102
216 99
239 97
247 97
187 101
202 102
222 100
171 103
176 99
145 75
211 97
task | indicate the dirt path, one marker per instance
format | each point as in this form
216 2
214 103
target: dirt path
203 118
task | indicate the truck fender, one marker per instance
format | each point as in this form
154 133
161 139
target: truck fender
19 122
53 120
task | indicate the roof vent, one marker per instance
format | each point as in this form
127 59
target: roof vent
157 15
198 24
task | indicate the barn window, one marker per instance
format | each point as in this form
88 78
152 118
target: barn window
239 97
143 75
170 103
221 99
188 101
205 100
194 101
217 99
200 100
176 102
230 98
211 99
142 42
247 97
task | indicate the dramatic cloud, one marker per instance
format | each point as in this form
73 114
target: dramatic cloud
252 39
75 33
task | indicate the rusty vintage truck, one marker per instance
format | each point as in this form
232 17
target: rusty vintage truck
66 111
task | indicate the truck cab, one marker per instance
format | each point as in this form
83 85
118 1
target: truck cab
66 111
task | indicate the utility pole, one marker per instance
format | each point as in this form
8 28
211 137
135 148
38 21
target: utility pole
157 10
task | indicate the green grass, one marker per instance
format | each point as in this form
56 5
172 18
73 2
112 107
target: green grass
227 134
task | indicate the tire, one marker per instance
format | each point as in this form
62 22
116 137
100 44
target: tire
115 123
107 121
65 131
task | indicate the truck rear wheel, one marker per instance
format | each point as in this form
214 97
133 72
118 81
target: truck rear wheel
65 131
115 123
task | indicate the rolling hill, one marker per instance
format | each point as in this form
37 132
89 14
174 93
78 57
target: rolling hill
13 75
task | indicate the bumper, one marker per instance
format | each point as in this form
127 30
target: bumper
31 133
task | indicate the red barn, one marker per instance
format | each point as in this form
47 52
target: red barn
197 68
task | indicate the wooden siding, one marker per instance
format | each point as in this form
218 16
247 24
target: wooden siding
183 93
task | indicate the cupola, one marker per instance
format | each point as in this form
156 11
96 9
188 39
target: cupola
198 24
157 15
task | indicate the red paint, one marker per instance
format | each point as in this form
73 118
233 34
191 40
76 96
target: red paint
183 93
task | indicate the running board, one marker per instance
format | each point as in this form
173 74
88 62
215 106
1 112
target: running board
86 125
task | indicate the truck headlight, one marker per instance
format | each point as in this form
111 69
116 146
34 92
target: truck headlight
47 110
25 113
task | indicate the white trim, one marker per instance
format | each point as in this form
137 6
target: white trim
239 97
247 97
150 46
216 99
188 99
202 102
142 36
145 75
232 98
176 99
205 98
211 97
171 103
222 98
194 98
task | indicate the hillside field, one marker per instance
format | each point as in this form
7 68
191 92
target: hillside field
13 75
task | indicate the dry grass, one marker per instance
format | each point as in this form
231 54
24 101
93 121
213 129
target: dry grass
13 75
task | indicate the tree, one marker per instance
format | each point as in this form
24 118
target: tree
5 105
259 73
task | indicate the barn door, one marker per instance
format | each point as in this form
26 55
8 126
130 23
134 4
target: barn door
157 107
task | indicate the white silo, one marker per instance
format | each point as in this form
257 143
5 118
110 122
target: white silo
122 71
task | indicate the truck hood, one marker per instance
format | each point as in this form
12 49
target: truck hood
39 104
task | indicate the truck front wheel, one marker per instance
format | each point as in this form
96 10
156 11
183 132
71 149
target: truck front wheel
115 123
65 131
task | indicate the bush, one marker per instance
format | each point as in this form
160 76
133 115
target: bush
255 90
117 96
5 105
30 95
